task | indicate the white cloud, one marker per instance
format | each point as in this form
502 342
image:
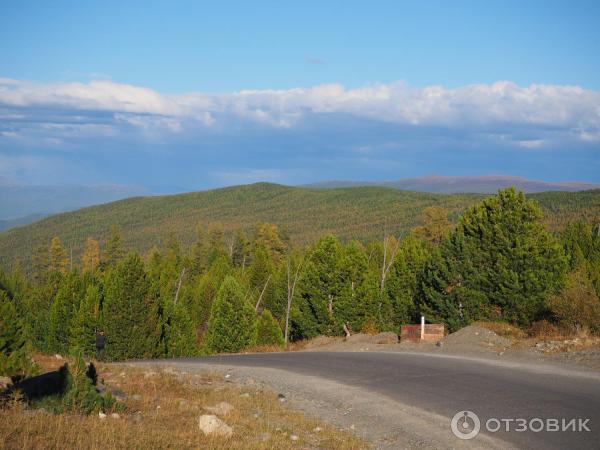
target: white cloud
561 109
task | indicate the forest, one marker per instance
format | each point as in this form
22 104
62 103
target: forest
234 290
302 214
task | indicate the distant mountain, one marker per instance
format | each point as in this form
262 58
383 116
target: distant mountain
455 185
21 204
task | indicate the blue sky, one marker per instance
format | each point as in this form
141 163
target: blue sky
190 95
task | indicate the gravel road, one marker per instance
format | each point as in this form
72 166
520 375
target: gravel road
407 400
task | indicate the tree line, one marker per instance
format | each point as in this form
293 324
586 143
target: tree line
229 293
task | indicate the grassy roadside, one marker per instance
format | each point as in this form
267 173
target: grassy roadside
161 412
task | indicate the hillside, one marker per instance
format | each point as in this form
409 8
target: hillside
362 212
452 185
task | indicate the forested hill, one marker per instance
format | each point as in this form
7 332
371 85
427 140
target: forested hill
360 212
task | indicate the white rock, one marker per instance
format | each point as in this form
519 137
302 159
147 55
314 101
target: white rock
293 437
101 415
317 429
4 382
212 425
57 356
115 416
220 409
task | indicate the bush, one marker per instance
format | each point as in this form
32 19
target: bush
268 330
577 307
80 394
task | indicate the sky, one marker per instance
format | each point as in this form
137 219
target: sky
192 95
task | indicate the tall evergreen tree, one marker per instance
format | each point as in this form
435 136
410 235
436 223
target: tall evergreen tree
319 290
232 323
114 247
86 322
499 263
13 340
129 312
65 305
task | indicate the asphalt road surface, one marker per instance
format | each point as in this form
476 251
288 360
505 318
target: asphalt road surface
447 385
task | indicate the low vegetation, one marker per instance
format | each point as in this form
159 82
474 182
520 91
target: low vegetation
161 410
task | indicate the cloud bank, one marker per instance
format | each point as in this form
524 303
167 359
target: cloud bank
330 120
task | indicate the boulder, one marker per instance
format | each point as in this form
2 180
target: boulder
212 425
220 409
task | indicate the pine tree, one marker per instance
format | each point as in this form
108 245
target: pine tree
180 334
268 330
64 307
402 281
232 323
13 340
57 257
86 322
356 301
498 264
319 290
90 260
114 247
129 312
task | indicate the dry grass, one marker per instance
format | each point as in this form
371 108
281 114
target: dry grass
503 329
169 405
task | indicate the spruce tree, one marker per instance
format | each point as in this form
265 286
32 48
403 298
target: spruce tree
65 305
319 290
129 312
13 340
268 330
114 247
86 322
232 323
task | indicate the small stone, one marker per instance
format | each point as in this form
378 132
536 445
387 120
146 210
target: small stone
439 344
227 376
57 356
263 437
220 409
101 415
293 437
352 427
115 416
281 397
136 397
317 429
4 382
210 424
245 395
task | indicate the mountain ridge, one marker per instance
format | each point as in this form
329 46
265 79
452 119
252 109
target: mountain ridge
485 184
